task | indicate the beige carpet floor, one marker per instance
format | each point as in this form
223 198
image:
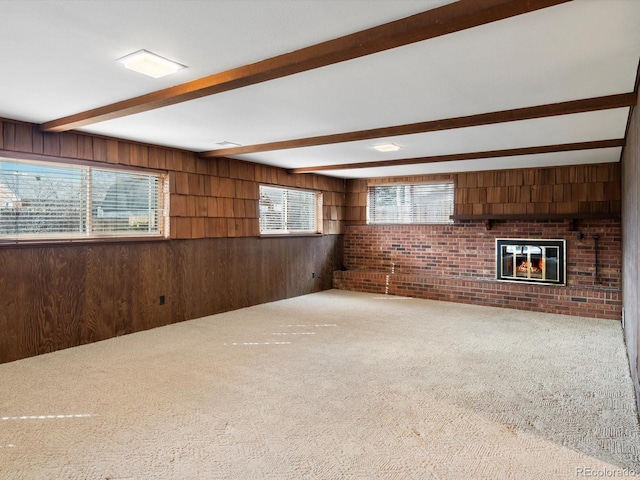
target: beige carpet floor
334 385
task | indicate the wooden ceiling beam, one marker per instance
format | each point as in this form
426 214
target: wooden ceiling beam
565 147
527 113
433 23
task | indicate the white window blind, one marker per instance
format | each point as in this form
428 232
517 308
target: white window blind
410 203
53 201
287 211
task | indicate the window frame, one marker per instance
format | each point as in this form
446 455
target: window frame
318 231
372 187
163 198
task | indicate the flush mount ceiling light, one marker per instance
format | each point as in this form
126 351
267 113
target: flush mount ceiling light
150 64
225 144
387 147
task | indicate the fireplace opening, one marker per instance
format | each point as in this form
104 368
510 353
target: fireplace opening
532 261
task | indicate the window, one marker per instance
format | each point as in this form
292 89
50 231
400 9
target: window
51 201
410 203
290 211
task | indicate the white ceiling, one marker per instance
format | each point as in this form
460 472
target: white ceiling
58 59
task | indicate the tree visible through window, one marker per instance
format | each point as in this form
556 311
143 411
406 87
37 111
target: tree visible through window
410 203
289 211
53 201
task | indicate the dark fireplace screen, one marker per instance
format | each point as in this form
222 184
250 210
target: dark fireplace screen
531 261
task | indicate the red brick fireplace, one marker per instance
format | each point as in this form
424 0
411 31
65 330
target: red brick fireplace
457 263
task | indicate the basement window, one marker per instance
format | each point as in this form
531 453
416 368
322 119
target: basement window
290 211
410 203
42 201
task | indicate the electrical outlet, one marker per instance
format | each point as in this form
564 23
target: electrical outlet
313 274
162 300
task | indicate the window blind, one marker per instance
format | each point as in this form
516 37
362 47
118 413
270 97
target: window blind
53 201
410 203
285 211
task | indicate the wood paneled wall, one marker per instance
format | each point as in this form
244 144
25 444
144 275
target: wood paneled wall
631 246
552 190
59 296
62 296
223 200
210 198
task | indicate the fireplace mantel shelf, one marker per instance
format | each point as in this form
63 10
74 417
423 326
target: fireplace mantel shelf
488 219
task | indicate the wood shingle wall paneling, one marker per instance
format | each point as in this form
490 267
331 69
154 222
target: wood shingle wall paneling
210 198
356 202
233 194
553 190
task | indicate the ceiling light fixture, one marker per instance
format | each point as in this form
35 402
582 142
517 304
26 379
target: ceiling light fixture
225 144
387 147
150 64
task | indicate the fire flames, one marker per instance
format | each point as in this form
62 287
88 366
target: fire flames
525 267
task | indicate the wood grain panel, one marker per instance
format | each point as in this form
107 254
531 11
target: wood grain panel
139 155
99 296
631 243
23 138
112 151
51 144
69 145
58 297
85 148
13 320
9 136
99 149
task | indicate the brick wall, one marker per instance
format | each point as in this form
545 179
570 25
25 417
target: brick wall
457 262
